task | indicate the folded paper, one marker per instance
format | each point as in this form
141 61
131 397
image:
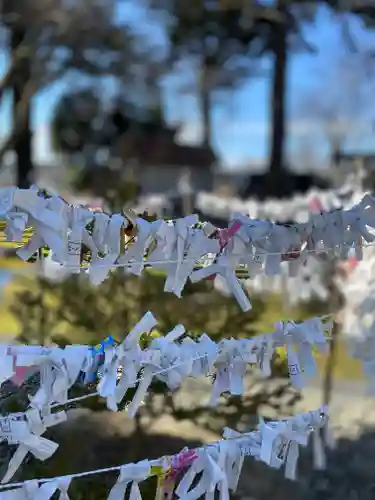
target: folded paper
176 246
170 359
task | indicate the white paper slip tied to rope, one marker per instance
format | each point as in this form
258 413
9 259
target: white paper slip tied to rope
171 359
219 464
175 246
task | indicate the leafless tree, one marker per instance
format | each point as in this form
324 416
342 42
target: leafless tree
46 39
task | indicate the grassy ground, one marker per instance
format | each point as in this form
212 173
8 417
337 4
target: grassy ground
8 323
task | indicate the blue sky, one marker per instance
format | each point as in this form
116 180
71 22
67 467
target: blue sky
241 123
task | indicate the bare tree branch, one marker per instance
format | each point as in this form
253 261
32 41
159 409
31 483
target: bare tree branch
22 52
348 36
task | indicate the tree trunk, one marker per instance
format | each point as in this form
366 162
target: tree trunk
204 84
23 141
205 103
279 95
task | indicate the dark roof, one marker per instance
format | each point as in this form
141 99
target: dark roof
355 156
349 160
283 184
160 148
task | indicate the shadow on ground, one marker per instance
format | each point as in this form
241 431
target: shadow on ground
350 474
92 441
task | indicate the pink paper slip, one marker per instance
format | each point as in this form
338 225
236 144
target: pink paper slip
224 237
22 373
